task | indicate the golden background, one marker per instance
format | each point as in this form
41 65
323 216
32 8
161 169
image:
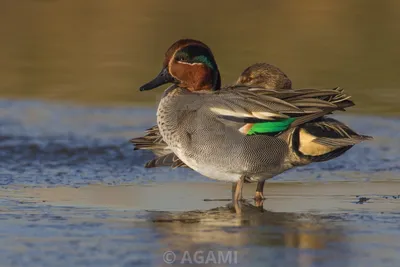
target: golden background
100 51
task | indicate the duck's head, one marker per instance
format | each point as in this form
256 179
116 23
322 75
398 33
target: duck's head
264 75
189 64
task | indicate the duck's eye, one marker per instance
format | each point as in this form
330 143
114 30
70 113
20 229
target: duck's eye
181 57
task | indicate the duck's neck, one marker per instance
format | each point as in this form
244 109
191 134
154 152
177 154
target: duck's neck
174 103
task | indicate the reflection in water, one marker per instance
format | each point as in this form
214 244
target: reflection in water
142 222
253 229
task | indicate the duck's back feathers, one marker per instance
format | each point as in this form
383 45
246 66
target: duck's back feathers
265 109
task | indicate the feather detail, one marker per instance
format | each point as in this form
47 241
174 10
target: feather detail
170 160
230 113
270 127
246 128
325 139
151 141
241 113
265 115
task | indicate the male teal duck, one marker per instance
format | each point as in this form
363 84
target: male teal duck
257 75
262 75
245 134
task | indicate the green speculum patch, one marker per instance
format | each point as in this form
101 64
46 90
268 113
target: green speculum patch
270 126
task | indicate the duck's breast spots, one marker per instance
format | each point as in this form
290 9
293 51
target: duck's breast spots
167 120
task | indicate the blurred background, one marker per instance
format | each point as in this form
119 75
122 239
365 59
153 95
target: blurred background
99 51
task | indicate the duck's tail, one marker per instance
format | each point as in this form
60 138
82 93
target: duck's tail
324 139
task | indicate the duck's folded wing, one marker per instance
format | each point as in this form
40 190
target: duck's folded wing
170 160
153 141
152 137
260 111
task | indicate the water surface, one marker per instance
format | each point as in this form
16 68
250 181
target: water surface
75 193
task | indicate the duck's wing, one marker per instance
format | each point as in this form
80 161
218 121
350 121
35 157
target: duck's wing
260 111
152 140
169 160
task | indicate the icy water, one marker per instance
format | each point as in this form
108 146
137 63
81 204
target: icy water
74 193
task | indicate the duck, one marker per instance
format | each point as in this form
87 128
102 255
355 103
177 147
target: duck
247 134
261 74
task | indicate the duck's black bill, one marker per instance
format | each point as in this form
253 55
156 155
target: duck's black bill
162 78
